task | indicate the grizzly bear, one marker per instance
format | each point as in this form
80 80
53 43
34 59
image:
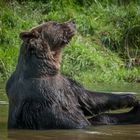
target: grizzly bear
41 98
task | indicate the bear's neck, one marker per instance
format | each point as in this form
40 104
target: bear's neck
41 69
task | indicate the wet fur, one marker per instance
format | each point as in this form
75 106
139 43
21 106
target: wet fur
41 98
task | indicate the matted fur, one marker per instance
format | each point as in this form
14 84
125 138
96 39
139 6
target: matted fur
41 98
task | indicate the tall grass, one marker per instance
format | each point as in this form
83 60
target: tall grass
98 51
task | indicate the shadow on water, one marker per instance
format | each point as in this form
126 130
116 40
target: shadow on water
123 132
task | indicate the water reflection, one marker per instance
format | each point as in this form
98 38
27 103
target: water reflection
131 132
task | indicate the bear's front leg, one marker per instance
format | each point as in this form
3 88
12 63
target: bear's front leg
115 101
93 103
96 102
109 101
131 117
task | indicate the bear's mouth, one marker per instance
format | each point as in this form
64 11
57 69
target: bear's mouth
69 32
69 36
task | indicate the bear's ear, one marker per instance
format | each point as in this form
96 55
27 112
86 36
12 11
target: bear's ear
28 35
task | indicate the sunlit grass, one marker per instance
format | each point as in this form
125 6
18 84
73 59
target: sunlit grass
97 52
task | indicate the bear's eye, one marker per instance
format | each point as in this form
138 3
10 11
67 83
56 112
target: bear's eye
55 23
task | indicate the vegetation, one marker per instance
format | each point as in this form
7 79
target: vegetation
105 49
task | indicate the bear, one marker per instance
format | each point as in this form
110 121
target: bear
41 98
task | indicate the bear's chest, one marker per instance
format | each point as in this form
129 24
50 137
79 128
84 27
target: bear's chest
43 91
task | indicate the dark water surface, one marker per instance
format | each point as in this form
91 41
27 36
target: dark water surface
123 132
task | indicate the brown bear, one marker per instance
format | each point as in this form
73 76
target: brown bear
41 98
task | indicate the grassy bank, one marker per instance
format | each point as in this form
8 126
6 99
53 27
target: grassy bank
105 48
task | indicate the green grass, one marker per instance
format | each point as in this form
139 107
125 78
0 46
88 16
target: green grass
96 54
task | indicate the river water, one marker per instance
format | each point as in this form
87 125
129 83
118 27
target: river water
119 132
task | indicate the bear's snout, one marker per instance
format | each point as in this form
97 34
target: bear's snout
71 29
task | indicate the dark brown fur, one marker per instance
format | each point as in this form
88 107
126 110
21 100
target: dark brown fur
41 98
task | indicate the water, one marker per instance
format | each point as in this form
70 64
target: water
121 132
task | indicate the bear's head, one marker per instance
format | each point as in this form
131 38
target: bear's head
42 45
